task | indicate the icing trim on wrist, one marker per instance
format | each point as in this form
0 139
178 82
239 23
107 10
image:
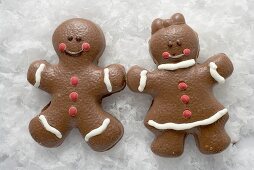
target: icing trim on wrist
107 80
214 73
49 128
184 126
142 81
38 75
98 130
182 64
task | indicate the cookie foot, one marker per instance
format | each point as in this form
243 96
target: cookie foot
104 136
48 132
212 139
169 144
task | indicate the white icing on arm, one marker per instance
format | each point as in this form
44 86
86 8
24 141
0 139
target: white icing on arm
142 81
215 74
98 130
182 64
184 126
49 128
38 75
107 80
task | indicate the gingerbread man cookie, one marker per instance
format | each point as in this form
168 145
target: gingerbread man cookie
77 86
182 90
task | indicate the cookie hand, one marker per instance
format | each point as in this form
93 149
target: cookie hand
39 74
114 78
139 79
220 67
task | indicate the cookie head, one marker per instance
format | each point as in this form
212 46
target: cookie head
78 39
173 40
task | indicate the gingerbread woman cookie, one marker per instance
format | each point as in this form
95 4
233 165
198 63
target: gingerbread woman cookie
182 90
77 86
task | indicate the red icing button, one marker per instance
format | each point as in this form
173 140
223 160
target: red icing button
73 111
187 113
74 80
182 86
73 96
185 99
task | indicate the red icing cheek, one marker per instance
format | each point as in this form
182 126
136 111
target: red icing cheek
165 55
86 47
62 47
186 51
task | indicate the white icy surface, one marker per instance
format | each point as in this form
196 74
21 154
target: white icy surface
26 28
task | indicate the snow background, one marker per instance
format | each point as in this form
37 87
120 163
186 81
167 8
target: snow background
26 28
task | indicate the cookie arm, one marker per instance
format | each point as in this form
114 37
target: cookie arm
38 75
220 67
140 80
114 78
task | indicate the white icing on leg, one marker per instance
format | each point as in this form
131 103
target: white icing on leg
142 82
49 128
98 130
107 80
38 75
184 126
215 74
182 64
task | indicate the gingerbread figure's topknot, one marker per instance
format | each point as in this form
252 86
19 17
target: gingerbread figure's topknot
178 19
158 23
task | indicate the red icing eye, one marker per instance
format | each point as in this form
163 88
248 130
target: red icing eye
86 46
165 55
186 51
62 47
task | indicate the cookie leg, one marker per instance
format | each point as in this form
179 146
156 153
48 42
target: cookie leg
101 132
169 143
49 128
213 138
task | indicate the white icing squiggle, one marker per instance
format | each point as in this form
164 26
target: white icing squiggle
182 64
177 56
98 130
184 126
215 74
49 128
142 82
107 80
38 75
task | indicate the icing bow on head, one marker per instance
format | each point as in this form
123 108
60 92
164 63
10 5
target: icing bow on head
158 23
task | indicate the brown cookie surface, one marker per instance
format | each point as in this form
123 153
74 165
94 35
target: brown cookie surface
77 86
182 90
